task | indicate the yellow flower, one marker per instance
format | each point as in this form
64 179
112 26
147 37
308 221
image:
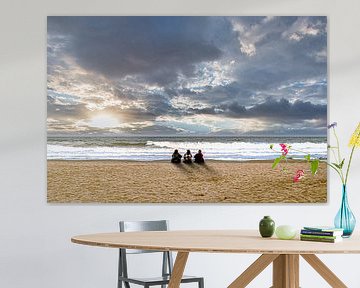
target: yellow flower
355 138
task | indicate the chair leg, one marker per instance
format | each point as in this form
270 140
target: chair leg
201 283
119 270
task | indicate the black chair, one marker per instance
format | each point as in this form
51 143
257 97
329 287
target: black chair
167 265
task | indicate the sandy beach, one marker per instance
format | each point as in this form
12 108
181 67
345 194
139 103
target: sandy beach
162 182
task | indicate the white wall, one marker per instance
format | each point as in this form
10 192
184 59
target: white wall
35 248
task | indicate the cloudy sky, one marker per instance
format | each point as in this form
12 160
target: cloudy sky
187 75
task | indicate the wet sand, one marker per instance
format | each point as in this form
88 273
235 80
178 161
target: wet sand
114 181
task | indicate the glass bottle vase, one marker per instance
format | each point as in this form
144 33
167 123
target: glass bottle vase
345 219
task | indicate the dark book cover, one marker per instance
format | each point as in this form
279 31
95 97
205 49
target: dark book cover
321 233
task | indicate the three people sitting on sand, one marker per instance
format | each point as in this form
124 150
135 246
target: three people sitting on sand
198 158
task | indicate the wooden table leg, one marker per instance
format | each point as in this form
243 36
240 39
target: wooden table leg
324 271
286 271
178 270
293 262
253 270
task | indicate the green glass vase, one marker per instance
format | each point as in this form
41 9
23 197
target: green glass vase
266 227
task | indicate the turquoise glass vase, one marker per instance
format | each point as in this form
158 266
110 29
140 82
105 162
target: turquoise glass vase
345 219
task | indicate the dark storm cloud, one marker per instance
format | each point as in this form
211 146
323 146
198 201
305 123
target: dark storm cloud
282 110
60 111
278 59
153 130
158 48
229 93
158 104
289 131
283 62
278 62
269 68
154 105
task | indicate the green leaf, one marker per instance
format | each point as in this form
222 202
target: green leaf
271 146
342 163
307 157
314 166
336 165
276 162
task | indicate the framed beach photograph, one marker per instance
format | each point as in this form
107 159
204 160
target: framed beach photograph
165 109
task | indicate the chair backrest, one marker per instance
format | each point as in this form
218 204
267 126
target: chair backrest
134 226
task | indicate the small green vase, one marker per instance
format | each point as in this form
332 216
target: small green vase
267 227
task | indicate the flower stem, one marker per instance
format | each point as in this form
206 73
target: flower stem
351 156
339 155
348 167
337 171
338 145
334 154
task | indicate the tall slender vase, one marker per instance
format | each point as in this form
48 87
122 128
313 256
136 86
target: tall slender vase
345 219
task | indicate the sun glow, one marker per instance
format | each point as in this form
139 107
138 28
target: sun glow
104 121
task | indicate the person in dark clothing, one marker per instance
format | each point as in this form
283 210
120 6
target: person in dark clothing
187 157
199 158
176 157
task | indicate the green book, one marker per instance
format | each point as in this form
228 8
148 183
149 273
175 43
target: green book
319 236
325 240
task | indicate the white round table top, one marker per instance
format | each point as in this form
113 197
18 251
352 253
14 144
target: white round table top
217 241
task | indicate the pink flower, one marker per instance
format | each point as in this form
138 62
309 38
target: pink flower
284 149
299 174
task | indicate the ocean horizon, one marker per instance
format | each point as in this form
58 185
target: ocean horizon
150 148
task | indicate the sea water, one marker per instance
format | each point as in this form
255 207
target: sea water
161 148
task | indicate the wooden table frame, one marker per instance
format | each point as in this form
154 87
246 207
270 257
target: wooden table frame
285 271
283 255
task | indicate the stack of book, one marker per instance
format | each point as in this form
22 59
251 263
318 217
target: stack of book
321 234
